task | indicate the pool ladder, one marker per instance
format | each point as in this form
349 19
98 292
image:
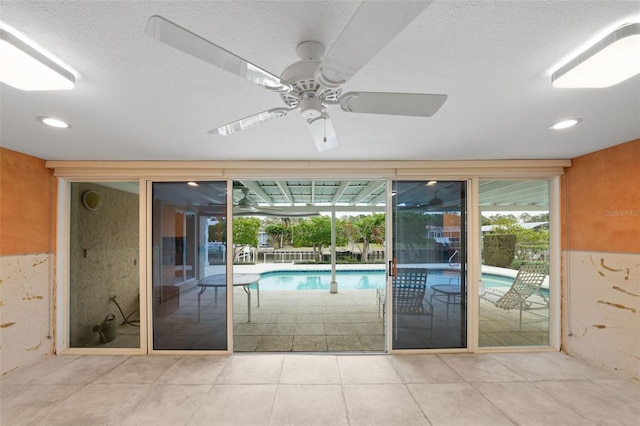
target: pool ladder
451 262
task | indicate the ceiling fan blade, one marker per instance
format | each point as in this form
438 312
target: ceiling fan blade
371 28
182 39
411 104
322 132
274 214
252 120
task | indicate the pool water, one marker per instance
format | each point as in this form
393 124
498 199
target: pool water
321 280
357 280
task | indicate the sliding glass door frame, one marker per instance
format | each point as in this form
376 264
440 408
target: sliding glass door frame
471 229
68 172
63 265
228 266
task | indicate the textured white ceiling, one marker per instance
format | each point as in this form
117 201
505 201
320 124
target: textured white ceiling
137 99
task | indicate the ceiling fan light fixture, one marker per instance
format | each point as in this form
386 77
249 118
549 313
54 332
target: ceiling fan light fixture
610 61
310 107
25 67
323 132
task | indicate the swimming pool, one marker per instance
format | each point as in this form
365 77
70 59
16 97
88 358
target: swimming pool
357 280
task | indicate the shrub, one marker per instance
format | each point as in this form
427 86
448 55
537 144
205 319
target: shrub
499 249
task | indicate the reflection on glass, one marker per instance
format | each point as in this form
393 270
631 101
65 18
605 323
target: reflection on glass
514 292
189 244
429 249
104 281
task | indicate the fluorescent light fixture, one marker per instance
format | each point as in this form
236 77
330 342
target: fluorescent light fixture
24 67
565 124
610 61
54 122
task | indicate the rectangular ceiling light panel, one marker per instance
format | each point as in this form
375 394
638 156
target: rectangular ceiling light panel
25 68
610 61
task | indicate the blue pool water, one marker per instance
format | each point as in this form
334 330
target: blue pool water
357 280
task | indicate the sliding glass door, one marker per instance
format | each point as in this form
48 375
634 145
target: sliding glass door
428 304
104 271
515 292
189 303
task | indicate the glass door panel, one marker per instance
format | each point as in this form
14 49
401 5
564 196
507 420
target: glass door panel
104 272
188 232
429 282
514 291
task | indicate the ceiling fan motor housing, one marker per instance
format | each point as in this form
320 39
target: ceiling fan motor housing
300 76
310 107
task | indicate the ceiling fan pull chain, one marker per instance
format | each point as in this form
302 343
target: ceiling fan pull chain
324 122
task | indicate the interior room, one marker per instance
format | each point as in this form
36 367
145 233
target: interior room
381 207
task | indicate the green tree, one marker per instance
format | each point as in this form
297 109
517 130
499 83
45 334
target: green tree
499 219
531 244
364 230
245 233
217 230
313 232
543 217
525 217
411 229
279 233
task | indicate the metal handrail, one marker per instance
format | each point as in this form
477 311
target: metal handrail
451 263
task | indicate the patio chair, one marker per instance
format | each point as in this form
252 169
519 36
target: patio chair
524 294
409 288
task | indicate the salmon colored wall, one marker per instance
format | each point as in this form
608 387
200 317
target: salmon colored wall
27 196
601 201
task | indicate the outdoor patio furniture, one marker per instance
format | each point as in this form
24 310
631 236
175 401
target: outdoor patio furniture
451 294
524 294
220 280
409 288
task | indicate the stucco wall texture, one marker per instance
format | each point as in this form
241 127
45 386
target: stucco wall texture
27 194
601 258
601 201
27 204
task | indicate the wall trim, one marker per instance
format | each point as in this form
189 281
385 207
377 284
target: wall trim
309 169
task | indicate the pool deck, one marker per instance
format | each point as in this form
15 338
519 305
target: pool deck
348 321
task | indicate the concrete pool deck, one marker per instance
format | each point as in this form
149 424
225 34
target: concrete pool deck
318 321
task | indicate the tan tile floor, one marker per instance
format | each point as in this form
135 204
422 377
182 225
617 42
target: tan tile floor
544 389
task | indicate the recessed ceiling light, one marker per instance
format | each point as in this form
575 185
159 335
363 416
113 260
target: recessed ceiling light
53 122
565 124
192 183
431 182
608 62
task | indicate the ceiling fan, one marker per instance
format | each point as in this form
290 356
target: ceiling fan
248 207
314 83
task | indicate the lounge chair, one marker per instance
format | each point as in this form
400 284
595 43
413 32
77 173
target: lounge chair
409 288
524 293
